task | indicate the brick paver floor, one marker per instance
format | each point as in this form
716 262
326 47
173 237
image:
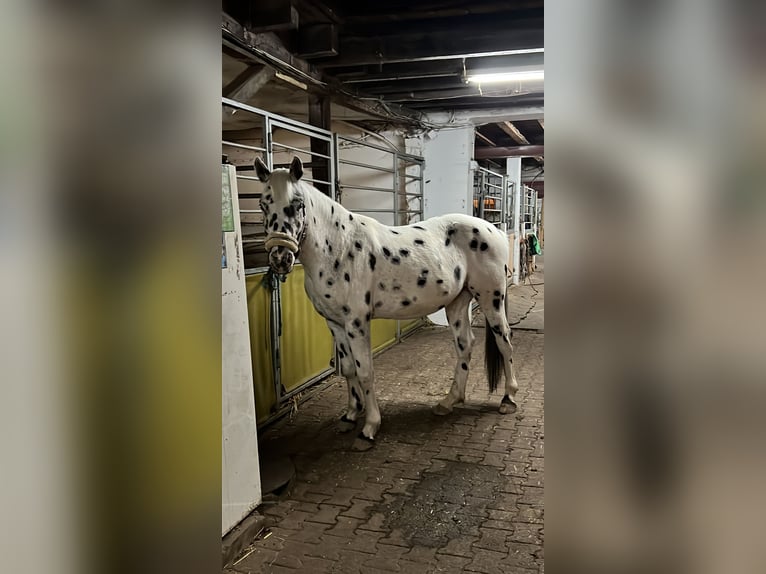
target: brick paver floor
461 493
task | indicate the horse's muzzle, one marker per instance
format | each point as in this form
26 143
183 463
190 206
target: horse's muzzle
281 260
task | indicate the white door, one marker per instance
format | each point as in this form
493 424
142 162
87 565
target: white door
241 482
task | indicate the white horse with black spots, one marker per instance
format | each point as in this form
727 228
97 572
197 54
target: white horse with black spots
357 268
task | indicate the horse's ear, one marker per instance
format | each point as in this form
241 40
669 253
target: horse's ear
261 170
296 169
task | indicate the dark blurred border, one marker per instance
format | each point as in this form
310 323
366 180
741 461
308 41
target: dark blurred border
110 217
655 240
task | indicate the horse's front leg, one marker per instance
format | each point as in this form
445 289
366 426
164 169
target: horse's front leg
359 341
348 369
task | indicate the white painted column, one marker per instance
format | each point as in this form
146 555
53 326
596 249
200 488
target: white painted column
513 169
447 179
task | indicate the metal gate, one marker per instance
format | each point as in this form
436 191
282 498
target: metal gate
292 347
530 211
490 197
387 185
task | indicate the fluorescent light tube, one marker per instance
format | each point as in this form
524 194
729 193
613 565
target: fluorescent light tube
498 77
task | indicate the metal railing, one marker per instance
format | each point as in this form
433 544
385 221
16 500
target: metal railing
391 171
529 211
490 196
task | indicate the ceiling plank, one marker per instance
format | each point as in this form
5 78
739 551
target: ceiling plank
513 132
481 136
517 136
518 151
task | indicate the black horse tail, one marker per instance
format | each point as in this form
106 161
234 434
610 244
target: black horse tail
493 359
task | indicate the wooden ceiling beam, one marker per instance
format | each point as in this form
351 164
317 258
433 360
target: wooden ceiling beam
513 132
518 151
245 92
482 137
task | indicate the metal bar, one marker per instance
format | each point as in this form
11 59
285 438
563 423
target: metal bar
256 271
409 158
356 163
334 170
481 200
489 171
395 175
275 143
314 180
365 144
281 119
267 136
243 146
250 211
300 129
250 177
371 211
367 188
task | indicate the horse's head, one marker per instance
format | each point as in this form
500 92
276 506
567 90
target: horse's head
284 213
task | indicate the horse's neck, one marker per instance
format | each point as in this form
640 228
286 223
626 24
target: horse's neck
326 212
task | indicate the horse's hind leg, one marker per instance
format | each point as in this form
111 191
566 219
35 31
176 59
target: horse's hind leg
348 369
460 322
493 305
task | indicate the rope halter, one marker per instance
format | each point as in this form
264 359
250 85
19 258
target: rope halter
279 239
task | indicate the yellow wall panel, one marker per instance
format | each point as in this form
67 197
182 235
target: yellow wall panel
409 325
382 333
307 344
258 301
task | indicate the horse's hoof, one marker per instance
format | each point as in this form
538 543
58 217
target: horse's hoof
346 425
362 443
441 410
507 406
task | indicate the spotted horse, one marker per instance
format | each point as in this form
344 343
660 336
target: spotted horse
357 268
